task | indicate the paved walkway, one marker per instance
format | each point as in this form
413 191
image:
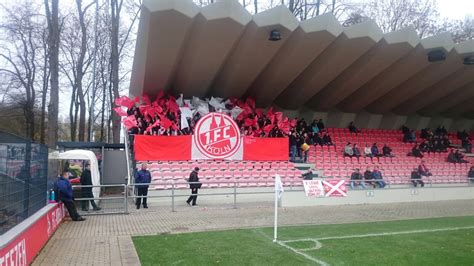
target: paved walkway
106 239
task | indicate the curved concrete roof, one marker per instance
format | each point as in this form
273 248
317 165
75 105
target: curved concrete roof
222 50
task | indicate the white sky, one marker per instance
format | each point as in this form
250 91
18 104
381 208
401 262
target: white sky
456 9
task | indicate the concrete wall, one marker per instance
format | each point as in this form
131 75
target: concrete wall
298 199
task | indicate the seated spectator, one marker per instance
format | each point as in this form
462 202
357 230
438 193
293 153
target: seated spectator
353 128
375 150
470 174
423 170
405 130
314 126
412 136
445 143
387 151
368 177
459 157
320 125
356 151
368 151
348 151
424 133
327 140
415 151
356 179
452 157
424 147
416 178
409 137
466 144
462 134
378 176
317 140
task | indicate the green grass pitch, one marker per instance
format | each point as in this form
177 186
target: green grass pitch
439 241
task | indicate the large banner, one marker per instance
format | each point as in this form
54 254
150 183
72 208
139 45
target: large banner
216 136
24 247
325 188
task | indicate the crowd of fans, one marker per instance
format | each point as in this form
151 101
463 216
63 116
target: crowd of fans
303 135
168 116
352 150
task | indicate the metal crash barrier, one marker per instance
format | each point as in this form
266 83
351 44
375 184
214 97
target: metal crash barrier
112 199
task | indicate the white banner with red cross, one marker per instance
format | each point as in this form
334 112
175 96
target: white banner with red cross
325 188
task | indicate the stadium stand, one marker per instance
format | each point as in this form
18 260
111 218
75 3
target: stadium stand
396 170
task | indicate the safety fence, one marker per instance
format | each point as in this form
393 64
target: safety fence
125 196
23 179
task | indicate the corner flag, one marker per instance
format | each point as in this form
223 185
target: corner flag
278 195
278 186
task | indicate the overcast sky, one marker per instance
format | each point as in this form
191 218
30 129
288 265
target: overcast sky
456 9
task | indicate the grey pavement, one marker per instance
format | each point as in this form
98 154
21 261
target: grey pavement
106 239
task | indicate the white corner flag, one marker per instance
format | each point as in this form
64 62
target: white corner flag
278 186
278 194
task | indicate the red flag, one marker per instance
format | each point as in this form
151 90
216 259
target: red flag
279 116
146 99
250 102
137 99
120 112
173 106
293 122
130 122
267 129
259 112
124 101
284 126
166 123
249 122
160 95
157 123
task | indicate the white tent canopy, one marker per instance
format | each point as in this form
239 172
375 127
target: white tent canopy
82 155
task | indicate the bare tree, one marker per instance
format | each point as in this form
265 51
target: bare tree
52 17
21 58
393 15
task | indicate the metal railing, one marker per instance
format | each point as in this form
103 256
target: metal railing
229 188
110 204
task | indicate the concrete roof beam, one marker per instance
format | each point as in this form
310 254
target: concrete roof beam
155 54
253 51
426 78
437 91
330 63
214 33
391 48
304 45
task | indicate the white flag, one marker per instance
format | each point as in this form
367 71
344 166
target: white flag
185 113
278 186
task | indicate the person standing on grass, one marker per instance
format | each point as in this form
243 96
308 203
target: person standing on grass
65 194
194 185
142 177
86 192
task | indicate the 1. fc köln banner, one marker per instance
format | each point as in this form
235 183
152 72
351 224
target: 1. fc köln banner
217 136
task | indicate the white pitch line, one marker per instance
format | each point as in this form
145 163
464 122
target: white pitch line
319 244
320 262
397 233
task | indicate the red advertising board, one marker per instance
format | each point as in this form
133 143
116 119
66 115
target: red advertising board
24 247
